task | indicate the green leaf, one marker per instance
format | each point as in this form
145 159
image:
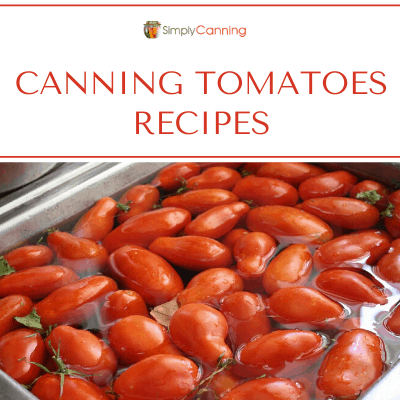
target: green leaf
124 207
5 268
388 211
370 196
246 173
31 320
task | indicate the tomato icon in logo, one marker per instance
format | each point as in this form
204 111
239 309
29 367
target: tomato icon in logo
152 29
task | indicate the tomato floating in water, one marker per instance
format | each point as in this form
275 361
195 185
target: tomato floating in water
13 306
215 178
388 266
29 256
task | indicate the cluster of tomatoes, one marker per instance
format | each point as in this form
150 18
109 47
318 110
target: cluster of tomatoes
257 272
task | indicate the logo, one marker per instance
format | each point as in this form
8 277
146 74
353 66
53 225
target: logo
152 29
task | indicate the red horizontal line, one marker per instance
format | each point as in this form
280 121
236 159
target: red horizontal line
199 5
199 156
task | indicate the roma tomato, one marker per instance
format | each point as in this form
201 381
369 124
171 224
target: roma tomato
48 387
338 183
29 256
37 282
393 322
267 389
230 239
352 365
355 249
266 191
10 307
193 252
76 302
145 272
81 255
293 173
292 267
215 178
252 252
141 199
246 316
144 228
394 198
389 265
121 304
304 305
252 167
289 224
98 222
82 351
160 377
344 212
171 177
199 201
218 221
136 337
280 353
17 350
200 331
350 285
210 287
392 224
363 189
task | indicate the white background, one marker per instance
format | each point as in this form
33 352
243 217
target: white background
278 39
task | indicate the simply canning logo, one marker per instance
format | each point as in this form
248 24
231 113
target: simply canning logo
152 30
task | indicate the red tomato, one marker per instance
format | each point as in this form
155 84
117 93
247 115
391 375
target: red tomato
82 351
389 265
29 256
48 387
368 186
37 282
205 165
136 337
123 303
252 167
304 305
344 212
230 239
252 252
81 255
199 201
352 365
200 331
98 222
350 285
293 173
142 229
145 272
280 353
394 198
246 316
193 252
266 191
355 249
171 177
221 383
393 322
17 350
215 178
218 221
292 267
160 377
289 224
141 199
210 287
10 307
76 302
392 224
338 183
267 389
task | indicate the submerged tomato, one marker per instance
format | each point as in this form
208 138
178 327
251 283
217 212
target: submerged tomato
98 222
13 306
230 239
215 178
81 255
193 252
160 377
18 349
142 229
393 322
37 282
352 365
76 302
82 351
210 287
290 268
200 331
136 337
389 265
29 256
145 272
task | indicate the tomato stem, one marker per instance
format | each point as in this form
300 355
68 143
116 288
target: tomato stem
5 267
